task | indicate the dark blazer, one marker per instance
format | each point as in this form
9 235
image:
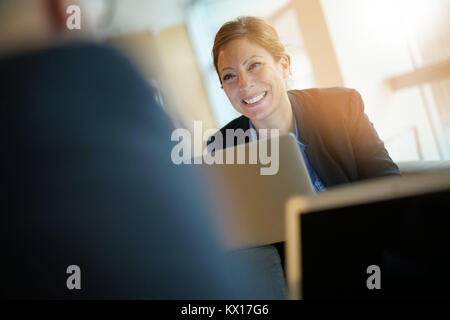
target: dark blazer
341 143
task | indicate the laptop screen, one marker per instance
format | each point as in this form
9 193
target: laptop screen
384 249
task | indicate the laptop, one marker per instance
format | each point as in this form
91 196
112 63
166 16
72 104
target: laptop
386 238
247 206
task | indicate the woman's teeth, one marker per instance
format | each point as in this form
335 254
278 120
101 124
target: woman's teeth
255 99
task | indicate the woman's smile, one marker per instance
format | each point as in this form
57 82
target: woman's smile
253 79
255 99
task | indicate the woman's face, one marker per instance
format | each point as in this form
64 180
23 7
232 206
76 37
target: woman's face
252 79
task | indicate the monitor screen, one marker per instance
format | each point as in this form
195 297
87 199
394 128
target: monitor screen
386 249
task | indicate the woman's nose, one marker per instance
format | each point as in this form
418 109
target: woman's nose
244 80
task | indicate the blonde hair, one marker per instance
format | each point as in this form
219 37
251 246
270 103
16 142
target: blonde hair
254 29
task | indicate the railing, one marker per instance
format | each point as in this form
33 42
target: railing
415 132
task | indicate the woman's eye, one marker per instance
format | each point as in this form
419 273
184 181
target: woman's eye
227 77
254 65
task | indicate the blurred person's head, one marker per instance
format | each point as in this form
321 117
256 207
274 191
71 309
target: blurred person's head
252 65
28 24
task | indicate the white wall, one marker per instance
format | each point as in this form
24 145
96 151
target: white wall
371 45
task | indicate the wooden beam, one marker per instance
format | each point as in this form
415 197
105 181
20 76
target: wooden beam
317 41
434 72
280 11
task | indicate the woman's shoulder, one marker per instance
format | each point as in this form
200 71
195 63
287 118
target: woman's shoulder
336 100
238 123
241 122
324 93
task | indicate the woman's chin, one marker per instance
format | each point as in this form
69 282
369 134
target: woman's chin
258 115
255 112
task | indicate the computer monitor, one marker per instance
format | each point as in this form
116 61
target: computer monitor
388 238
249 206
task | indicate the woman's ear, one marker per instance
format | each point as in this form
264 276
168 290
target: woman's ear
285 63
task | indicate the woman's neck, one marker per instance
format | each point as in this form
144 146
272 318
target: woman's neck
282 118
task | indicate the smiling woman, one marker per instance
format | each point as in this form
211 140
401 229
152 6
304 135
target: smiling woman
254 83
337 141
252 66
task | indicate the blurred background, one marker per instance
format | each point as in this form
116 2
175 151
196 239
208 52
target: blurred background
396 53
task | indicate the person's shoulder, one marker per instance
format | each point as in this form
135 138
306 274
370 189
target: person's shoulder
338 101
82 59
58 53
89 78
325 94
238 123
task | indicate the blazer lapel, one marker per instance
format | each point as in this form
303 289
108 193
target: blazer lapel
243 123
322 162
